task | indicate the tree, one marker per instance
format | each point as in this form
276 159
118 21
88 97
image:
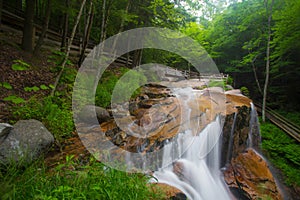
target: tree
269 9
87 32
44 28
1 5
28 30
68 48
65 28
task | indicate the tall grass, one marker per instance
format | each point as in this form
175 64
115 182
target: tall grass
72 180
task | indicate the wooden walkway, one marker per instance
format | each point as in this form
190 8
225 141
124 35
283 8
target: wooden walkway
194 75
286 125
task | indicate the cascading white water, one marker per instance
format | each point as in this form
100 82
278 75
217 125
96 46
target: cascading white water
230 142
254 128
197 172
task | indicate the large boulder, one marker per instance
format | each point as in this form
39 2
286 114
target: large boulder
249 173
25 142
88 112
4 130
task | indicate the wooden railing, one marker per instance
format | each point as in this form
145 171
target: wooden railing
53 38
286 125
194 75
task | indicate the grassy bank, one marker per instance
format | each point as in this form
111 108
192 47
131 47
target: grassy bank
73 180
283 151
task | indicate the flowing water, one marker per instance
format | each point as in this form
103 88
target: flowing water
197 172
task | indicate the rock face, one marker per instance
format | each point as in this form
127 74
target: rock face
172 193
25 142
250 174
157 115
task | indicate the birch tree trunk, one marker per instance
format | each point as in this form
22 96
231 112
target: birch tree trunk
68 48
102 36
255 74
87 32
269 11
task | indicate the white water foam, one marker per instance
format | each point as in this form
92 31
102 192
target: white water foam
197 172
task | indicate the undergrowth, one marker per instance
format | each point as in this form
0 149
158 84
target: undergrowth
53 112
283 151
130 82
292 116
73 180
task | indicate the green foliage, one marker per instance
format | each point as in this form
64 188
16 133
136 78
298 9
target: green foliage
125 82
20 65
229 81
57 58
44 87
14 99
6 85
291 115
218 83
283 151
245 91
72 180
53 112
30 89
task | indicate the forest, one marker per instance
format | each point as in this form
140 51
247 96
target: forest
44 43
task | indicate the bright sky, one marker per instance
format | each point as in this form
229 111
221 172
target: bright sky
203 7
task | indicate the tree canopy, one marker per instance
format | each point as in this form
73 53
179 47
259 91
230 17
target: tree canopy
234 32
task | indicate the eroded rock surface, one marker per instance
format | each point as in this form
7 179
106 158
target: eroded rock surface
157 115
250 173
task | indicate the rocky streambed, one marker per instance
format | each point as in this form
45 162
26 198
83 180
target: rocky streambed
160 113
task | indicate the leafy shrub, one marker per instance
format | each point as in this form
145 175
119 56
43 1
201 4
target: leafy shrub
219 83
292 116
53 112
245 91
283 151
130 82
229 81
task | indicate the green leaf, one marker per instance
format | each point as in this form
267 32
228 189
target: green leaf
44 87
20 65
14 99
51 86
29 89
7 85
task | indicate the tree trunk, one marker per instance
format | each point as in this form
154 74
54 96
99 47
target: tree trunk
121 29
1 5
255 74
102 36
65 29
269 11
87 32
28 30
45 28
68 48
136 61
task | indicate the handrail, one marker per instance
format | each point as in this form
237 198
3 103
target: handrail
286 125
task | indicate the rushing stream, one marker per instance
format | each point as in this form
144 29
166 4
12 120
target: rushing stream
197 172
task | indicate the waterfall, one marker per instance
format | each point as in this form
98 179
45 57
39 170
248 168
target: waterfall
254 137
230 143
197 171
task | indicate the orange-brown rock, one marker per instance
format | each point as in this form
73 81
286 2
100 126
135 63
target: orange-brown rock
250 173
170 191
